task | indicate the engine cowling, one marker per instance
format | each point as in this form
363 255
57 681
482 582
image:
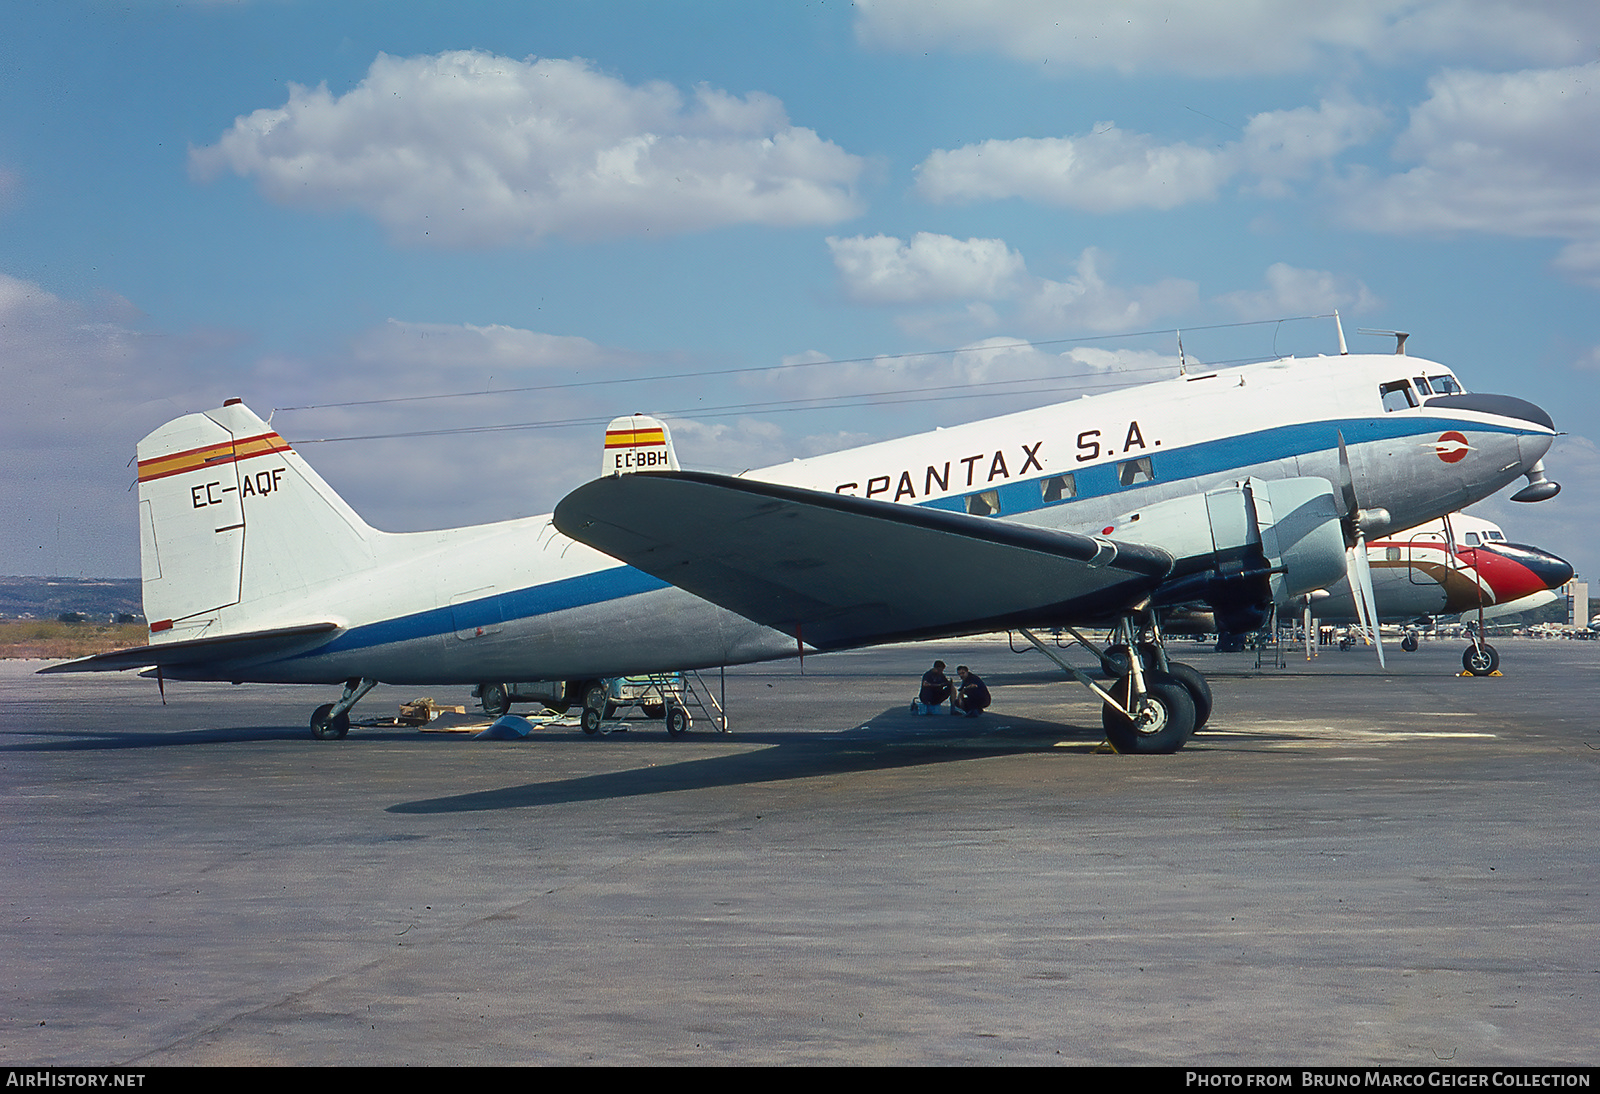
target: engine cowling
1242 548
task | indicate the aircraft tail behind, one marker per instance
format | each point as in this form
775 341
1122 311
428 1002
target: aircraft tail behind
637 442
234 525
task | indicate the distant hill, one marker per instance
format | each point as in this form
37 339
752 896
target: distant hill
96 599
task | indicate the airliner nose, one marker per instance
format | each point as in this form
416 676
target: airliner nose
1551 571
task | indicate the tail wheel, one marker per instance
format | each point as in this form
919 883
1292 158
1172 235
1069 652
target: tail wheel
325 727
1480 659
1161 724
1409 643
1195 682
591 720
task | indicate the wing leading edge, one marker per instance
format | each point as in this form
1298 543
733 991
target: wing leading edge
839 571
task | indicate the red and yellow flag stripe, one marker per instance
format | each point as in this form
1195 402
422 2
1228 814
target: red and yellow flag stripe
211 455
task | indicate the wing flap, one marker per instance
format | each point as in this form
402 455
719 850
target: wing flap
837 571
221 650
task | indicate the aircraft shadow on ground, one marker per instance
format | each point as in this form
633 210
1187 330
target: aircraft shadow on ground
787 758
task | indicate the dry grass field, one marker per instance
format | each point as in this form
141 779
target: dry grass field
50 640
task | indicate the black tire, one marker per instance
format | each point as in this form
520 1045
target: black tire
326 728
1199 690
1481 659
677 720
591 721
496 699
1409 643
1117 662
1171 717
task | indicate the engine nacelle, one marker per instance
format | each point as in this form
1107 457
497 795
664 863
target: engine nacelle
1243 548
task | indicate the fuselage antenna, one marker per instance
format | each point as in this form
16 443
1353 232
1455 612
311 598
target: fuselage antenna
1183 366
1344 350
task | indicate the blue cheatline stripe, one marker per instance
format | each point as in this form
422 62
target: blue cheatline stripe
1099 479
555 596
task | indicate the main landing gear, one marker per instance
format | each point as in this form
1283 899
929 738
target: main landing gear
1153 704
1480 659
331 721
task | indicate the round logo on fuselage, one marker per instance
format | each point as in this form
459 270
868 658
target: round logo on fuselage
1451 446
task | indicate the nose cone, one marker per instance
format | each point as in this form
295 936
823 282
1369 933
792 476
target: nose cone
1515 570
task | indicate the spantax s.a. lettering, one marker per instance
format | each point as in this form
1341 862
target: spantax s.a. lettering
953 474
1092 447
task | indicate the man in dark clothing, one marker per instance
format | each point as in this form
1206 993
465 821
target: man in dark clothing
972 696
935 686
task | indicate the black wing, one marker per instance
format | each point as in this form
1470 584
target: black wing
840 571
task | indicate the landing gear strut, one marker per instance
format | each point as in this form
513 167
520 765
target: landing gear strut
331 721
1153 705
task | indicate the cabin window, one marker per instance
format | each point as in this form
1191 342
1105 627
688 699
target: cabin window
986 504
1391 554
1130 472
1397 396
1058 488
1445 385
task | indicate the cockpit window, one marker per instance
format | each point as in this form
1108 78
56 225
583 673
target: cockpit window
1445 385
1472 539
1397 395
1422 385
1496 537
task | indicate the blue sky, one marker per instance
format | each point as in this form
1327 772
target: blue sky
308 204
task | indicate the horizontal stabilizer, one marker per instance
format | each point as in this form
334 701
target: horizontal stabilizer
223 650
836 570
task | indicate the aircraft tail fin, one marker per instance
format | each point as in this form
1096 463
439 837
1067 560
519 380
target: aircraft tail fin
637 442
234 527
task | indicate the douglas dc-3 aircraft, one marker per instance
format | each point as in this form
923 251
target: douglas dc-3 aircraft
1238 488
1455 565
1462 564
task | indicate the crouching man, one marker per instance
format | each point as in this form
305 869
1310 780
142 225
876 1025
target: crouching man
972 695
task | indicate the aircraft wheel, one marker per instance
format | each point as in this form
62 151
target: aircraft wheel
496 699
1481 659
1117 662
326 728
1162 727
1409 643
1199 690
677 720
591 720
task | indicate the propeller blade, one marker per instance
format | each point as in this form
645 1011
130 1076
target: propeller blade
1360 574
1347 493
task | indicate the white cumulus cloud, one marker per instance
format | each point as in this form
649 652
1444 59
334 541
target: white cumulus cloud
1499 154
1242 37
1293 291
1110 170
466 148
885 270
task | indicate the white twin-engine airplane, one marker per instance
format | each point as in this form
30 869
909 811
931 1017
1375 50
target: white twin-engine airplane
1236 488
